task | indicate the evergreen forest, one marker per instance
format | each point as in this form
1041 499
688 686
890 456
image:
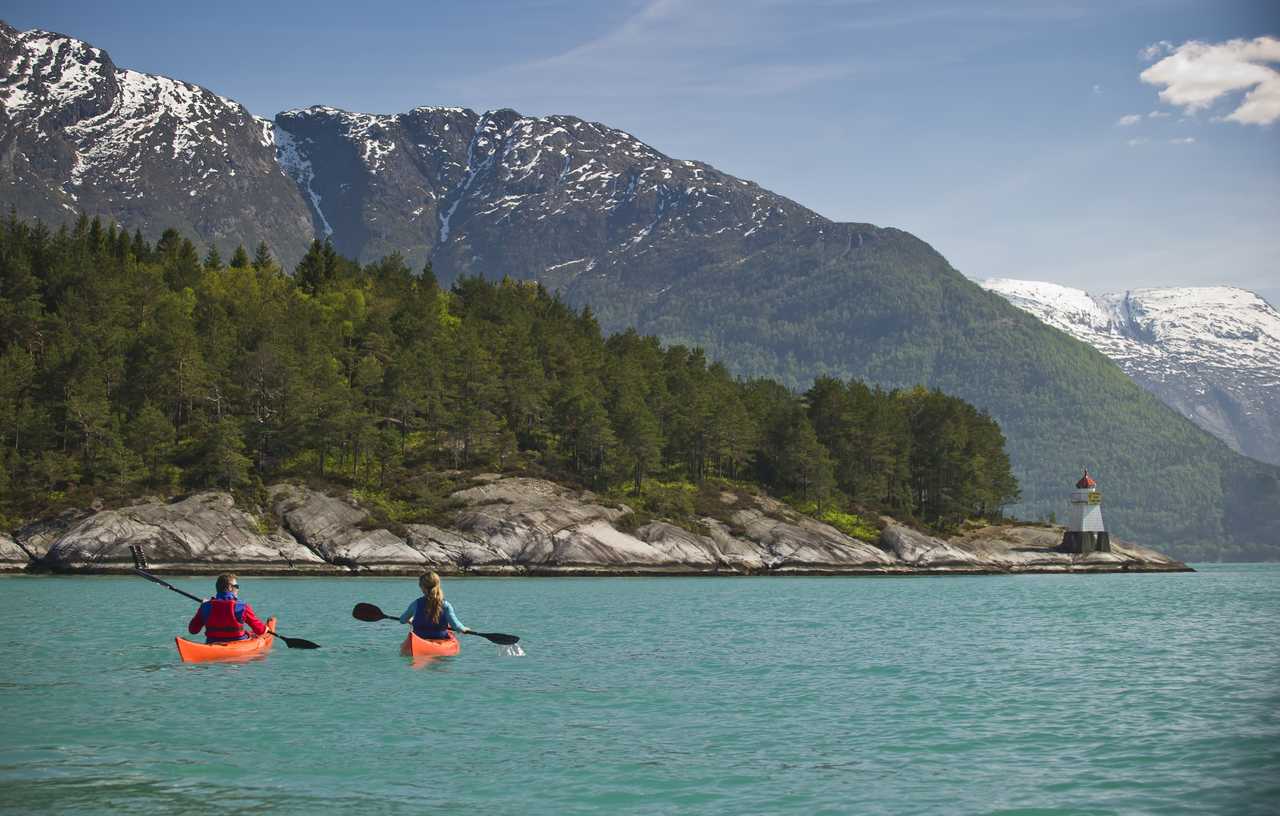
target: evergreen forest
129 369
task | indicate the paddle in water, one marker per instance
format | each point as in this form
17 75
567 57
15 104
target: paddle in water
140 561
368 612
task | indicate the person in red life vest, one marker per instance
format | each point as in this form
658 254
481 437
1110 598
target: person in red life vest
224 616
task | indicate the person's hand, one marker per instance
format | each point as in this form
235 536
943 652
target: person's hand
467 631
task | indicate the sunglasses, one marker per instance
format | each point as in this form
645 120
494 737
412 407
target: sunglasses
235 586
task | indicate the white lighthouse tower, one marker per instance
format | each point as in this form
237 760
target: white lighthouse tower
1085 530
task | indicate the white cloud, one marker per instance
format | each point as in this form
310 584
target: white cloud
1156 114
1138 142
1097 89
1128 120
1197 74
1183 140
1155 51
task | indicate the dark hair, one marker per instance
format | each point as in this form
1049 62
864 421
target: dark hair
225 580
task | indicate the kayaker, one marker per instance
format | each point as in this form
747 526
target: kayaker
431 614
224 616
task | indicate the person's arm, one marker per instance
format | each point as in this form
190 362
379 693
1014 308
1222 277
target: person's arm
197 620
452 618
408 613
256 625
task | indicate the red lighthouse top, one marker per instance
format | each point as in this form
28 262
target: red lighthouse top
1086 482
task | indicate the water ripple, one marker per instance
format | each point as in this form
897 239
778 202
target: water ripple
1034 694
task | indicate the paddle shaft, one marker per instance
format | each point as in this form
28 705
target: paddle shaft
162 583
365 612
290 642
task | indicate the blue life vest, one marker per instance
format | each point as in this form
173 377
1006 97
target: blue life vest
424 628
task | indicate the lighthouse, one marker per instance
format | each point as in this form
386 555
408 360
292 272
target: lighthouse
1085 531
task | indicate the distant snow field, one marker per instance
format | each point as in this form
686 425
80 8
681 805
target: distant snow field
1210 352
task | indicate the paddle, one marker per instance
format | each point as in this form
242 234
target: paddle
292 643
368 612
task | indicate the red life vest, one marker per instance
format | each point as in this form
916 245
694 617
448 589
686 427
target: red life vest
223 623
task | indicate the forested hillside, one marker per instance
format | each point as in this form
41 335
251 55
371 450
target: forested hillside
882 306
127 368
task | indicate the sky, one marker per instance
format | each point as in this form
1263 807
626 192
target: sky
1104 145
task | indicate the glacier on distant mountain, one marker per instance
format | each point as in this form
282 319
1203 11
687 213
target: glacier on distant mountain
1212 352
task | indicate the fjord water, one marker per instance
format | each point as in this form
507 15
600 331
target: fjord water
1052 694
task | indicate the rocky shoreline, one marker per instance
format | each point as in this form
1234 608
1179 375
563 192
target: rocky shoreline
519 526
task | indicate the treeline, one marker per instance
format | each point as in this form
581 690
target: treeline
128 367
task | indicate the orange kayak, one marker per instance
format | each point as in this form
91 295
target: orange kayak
415 646
192 652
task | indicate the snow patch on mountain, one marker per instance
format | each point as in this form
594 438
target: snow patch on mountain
1212 353
298 167
50 69
114 119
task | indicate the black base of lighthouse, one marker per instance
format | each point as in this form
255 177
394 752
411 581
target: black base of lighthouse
1084 543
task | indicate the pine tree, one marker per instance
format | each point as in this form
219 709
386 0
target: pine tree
151 436
639 441
240 259
140 249
220 460
212 259
262 257
181 265
309 273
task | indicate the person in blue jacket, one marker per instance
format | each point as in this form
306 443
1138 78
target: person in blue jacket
431 614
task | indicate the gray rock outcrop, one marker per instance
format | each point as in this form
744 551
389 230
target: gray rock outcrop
917 549
206 530
332 529
519 525
12 557
36 538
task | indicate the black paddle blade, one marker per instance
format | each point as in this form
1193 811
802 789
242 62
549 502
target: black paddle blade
298 643
498 638
369 612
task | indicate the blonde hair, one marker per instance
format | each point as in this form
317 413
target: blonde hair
429 583
225 580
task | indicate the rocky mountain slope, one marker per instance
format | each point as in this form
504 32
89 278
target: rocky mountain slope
1211 353
670 247
79 134
523 526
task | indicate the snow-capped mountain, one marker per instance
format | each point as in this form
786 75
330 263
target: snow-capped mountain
1212 353
79 134
484 191
471 191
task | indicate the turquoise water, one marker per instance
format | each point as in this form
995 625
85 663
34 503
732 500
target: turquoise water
1046 694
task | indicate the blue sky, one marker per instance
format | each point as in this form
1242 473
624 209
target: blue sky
996 131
